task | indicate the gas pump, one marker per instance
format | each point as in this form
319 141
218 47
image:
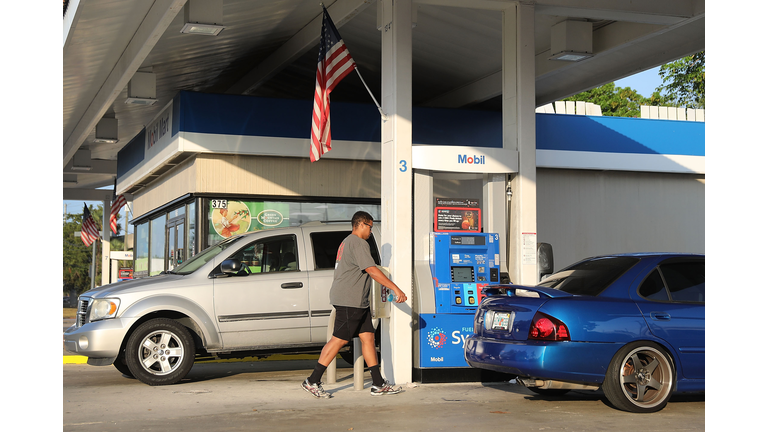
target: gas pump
461 264
459 241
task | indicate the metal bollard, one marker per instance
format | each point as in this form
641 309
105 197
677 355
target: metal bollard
359 366
357 353
330 371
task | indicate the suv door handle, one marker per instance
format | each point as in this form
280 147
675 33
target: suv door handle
660 316
290 285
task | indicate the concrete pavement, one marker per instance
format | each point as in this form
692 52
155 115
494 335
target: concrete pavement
266 396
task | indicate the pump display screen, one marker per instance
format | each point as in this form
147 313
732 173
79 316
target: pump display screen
468 240
463 274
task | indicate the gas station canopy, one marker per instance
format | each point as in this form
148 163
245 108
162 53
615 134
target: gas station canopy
124 61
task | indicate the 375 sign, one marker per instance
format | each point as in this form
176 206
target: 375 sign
218 203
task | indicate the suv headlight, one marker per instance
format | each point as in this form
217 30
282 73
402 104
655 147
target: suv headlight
103 309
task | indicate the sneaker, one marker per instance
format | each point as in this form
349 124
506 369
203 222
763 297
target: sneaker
386 389
315 390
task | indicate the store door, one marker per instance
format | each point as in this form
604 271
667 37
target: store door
175 253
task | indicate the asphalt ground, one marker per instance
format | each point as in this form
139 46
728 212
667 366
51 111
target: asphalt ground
265 395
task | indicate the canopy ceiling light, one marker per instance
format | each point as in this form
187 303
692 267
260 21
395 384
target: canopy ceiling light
203 17
81 161
571 41
141 89
106 131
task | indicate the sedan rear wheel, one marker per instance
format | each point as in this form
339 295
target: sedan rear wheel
640 378
160 352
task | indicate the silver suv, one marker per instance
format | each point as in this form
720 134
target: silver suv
254 294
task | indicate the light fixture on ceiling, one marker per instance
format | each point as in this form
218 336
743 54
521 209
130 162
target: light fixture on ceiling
203 29
571 41
571 56
141 89
203 17
81 161
106 131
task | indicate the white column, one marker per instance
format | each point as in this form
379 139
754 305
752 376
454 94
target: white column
105 247
519 132
494 214
396 181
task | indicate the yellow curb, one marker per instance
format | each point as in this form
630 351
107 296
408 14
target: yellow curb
75 359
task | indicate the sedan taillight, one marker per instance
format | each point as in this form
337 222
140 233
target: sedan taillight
544 327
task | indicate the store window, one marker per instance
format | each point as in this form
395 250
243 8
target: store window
227 218
157 245
141 265
191 229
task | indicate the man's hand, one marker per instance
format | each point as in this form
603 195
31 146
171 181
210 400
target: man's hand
382 279
399 295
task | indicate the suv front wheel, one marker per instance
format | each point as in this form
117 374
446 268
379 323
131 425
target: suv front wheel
160 352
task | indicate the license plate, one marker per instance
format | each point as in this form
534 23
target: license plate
500 321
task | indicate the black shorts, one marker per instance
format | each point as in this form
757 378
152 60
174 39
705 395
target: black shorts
350 322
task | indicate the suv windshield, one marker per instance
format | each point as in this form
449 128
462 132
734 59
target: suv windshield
203 257
589 277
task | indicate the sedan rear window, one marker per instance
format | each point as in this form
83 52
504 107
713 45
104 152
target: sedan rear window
589 277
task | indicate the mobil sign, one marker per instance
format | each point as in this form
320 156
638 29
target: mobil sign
464 159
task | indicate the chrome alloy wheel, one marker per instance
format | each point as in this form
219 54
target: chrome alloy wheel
646 377
161 352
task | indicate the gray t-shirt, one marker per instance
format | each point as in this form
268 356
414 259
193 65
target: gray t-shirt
351 284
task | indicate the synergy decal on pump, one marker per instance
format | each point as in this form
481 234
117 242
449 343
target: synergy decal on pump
461 265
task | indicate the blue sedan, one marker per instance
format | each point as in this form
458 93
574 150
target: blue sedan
632 324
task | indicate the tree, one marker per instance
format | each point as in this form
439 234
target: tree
683 86
77 256
683 82
613 101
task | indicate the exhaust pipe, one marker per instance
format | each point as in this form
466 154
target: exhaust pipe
549 384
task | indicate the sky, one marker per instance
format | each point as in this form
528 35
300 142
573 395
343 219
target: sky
644 83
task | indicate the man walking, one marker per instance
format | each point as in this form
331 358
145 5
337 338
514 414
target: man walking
350 292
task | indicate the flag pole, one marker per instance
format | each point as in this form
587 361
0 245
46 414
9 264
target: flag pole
383 116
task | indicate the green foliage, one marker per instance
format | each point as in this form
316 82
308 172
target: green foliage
683 87
683 82
77 256
613 101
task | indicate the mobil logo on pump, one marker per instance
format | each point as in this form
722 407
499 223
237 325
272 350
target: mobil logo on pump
472 160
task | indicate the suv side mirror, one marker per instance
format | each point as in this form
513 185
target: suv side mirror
546 261
231 266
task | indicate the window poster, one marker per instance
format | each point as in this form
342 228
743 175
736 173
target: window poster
232 217
457 215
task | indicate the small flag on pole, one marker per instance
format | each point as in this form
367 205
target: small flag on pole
90 231
333 63
117 203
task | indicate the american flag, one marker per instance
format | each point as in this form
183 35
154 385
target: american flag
90 231
333 63
117 204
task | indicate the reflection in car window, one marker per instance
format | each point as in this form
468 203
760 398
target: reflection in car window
685 280
273 254
589 277
325 245
653 287
203 257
